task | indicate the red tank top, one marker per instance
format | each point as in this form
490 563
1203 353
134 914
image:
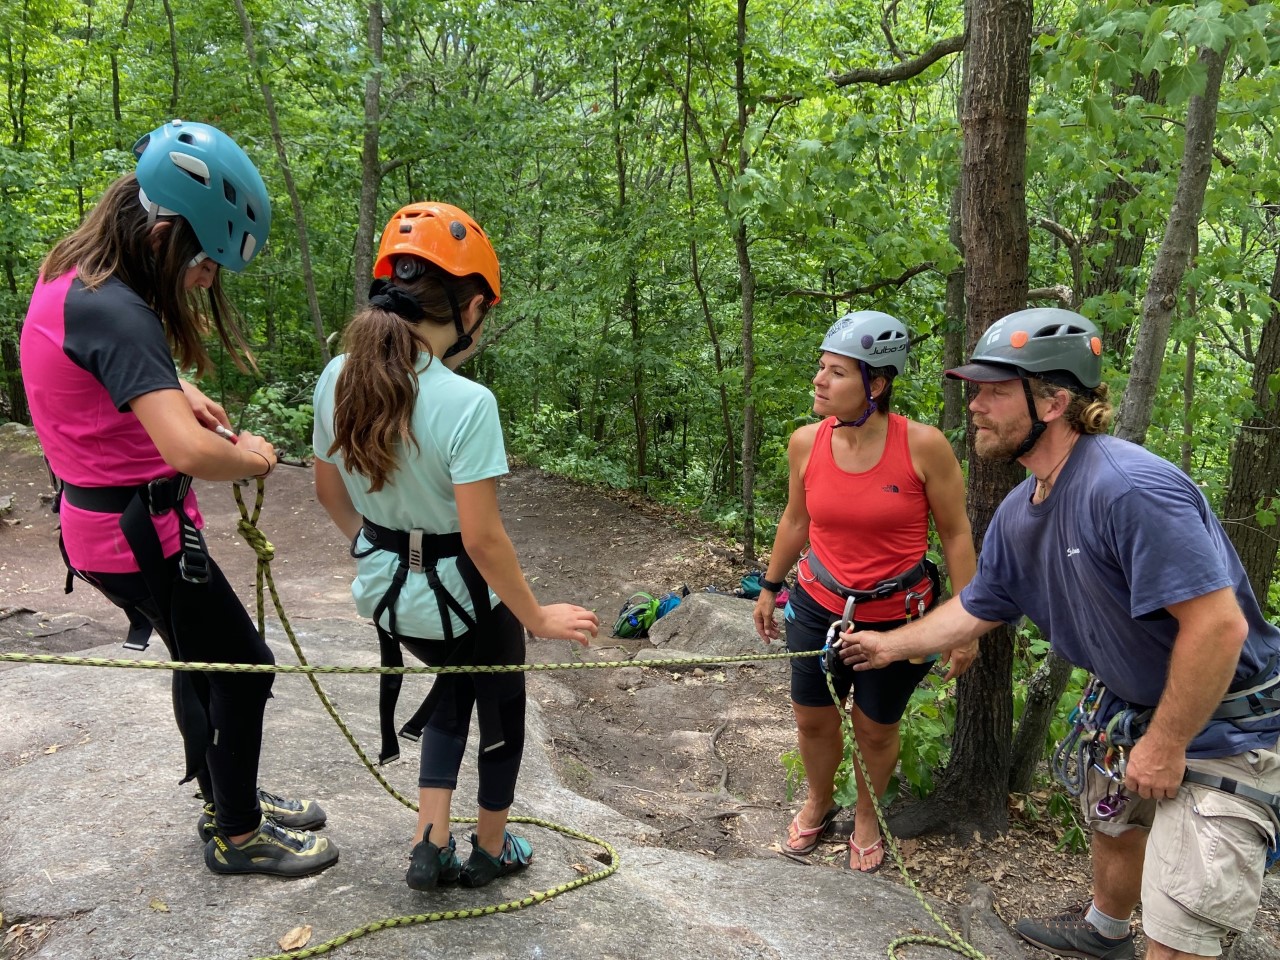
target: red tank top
865 527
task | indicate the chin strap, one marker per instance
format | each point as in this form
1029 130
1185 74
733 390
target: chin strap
871 402
1037 425
464 340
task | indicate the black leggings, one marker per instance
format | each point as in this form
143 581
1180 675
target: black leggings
218 714
499 699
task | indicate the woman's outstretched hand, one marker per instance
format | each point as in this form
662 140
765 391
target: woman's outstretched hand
566 621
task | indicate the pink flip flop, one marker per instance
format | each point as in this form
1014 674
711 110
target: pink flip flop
809 836
860 852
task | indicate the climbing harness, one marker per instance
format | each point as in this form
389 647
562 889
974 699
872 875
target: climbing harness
903 583
136 505
419 552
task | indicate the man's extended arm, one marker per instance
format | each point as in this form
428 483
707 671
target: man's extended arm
948 626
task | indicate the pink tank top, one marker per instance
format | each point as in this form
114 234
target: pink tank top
865 527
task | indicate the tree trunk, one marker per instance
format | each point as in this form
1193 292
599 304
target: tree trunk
953 332
747 283
726 417
972 791
1044 689
1134 416
370 169
304 247
1255 461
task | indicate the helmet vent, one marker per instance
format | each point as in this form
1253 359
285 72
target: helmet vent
194 167
186 138
248 209
229 192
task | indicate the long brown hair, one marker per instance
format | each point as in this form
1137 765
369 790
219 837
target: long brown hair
115 240
378 385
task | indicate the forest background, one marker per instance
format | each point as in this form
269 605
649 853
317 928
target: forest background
684 194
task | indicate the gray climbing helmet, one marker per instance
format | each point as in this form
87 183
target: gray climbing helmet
875 338
1047 343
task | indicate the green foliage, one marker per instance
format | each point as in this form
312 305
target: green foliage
282 412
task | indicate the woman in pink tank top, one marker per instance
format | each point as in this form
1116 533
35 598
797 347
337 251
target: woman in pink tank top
864 484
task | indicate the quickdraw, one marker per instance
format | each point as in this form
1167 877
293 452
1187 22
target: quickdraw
1094 746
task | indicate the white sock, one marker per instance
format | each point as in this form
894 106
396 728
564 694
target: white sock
1109 927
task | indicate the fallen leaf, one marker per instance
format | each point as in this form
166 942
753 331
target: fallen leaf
158 905
582 868
295 938
52 749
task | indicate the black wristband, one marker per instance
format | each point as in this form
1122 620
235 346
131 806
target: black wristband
773 586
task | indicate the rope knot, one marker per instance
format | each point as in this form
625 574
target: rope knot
255 538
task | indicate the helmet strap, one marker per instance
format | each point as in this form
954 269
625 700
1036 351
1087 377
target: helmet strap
464 340
872 407
1038 426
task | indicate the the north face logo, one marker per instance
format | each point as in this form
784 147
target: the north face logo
890 488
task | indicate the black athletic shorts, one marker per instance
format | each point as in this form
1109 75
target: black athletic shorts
880 694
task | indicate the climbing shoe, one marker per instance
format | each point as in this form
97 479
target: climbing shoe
1071 935
294 814
273 850
482 869
431 866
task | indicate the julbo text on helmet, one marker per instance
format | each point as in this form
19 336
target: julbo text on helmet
197 172
875 338
444 235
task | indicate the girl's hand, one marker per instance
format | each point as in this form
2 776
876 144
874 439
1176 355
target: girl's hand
209 414
565 621
262 447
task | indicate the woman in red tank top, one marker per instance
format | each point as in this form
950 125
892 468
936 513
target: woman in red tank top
864 484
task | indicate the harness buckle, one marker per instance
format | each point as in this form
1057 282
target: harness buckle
194 562
415 550
166 493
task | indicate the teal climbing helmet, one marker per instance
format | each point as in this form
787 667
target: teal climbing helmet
197 172
1047 343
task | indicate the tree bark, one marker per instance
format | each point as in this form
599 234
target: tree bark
747 283
972 791
953 335
370 169
1255 461
1043 691
304 247
1134 416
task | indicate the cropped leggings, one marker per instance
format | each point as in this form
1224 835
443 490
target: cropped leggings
497 698
218 714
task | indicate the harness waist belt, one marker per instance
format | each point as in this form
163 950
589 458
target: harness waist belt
160 495
1269 801
885 588
414 547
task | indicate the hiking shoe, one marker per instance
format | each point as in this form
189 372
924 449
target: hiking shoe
273 850
294 814
1071 935
431 866
482 869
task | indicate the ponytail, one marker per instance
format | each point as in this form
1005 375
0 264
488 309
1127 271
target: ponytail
376 393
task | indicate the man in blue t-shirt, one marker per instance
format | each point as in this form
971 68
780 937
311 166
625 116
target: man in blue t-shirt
1116 556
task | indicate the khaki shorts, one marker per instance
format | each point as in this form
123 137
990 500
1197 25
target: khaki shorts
1205 850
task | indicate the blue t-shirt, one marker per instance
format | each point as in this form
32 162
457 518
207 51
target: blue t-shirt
1124 535
459 440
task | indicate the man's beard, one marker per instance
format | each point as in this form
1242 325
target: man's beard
993 444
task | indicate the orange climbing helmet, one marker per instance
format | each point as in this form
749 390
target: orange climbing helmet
443 235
